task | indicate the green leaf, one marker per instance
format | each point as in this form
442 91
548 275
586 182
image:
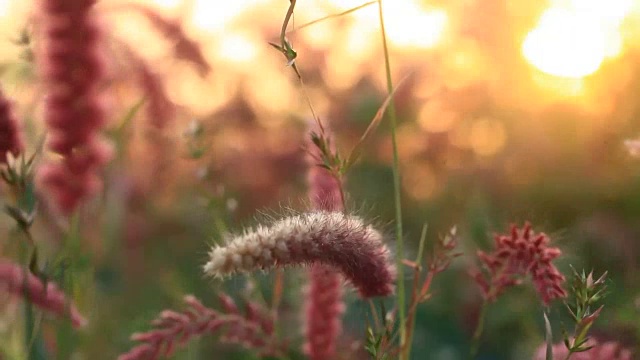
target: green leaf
373 125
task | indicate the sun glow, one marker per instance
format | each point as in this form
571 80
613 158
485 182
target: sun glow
214 16
408 24
573 40
4 7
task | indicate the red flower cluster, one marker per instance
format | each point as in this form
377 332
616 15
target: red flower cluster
519 254
10 140
72 66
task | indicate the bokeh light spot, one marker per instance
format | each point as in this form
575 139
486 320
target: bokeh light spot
488 136
237 48
4 7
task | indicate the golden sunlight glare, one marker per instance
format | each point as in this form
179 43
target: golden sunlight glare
408 24
573 41
215 15
169 4
237 48
4 7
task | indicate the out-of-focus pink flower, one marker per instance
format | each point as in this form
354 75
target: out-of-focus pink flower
46 296
173 30
521 253
323 296
72 67
323 310
633 146
10 137
160 108
343 242
609 350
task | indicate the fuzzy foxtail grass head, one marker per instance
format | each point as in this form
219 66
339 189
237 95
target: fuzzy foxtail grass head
340 241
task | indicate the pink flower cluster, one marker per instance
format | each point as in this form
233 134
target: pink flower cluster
72 67
609 350
252 330
46 296
10 139
519 254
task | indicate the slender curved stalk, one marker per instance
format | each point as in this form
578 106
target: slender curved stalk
396 185
477 334
66 338
413 308
332 16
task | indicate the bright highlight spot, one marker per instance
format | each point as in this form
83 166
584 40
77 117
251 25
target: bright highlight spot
4 7
168 4
237 48
216 15
573 41
407 22
488 136
409 25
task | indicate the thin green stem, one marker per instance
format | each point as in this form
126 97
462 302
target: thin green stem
477 334
29 318
65 336
396 184
285 23
346 12
414 301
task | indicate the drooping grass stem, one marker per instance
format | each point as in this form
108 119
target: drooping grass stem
396 185
477 334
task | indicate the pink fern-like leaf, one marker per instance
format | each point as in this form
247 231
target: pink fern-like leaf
46 296
172 329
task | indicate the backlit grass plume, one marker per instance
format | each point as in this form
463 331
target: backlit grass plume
341 241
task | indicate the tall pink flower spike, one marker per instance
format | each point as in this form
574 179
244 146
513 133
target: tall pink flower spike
72 68
323 298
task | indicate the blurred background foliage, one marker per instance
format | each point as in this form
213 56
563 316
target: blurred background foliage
512 111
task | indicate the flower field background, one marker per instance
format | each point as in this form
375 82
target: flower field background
157 154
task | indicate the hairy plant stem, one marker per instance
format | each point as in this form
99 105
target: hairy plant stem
396 187
477 334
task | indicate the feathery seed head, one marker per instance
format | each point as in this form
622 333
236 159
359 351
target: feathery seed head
340 241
